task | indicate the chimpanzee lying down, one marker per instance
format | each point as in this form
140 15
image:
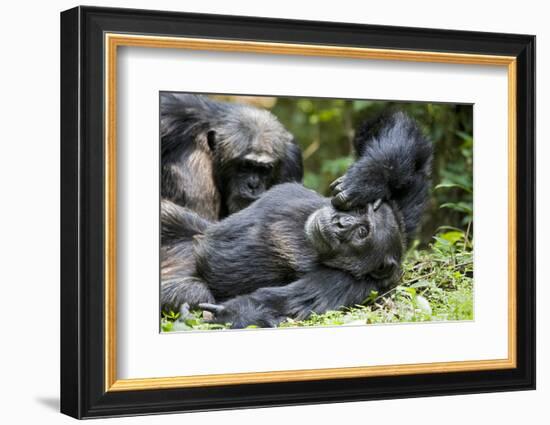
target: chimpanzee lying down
293 252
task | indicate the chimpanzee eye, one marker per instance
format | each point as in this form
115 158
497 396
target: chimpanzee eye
362 232
265 168
255 167
246 166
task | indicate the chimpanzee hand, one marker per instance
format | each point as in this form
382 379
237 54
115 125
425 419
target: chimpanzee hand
221 314
353 191
394 163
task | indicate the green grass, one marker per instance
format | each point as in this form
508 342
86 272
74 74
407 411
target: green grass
437 285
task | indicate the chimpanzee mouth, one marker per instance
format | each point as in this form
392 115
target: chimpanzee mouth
251 198
248 198
242 201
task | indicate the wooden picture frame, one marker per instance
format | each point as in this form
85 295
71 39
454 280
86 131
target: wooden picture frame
90 38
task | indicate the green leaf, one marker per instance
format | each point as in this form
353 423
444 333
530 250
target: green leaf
170 315
465 136
452 237
328 114
372 296
459 206
410 291
192 322
167 326
447 185
421 284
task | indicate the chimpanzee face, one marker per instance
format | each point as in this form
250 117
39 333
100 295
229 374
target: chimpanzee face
247 179
368 242
250 155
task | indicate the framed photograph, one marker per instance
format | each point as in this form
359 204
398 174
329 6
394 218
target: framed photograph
261 212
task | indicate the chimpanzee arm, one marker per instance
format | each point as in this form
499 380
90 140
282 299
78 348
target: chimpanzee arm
317 292
394 164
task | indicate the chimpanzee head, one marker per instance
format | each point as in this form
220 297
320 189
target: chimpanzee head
366 243
252 151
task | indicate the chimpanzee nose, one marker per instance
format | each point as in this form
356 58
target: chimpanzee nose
253 182
345 221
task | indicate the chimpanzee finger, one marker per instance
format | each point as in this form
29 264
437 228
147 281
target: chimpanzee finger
337 189
212 308
336 183
341 201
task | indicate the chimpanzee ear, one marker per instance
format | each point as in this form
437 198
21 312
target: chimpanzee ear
211 138
291 169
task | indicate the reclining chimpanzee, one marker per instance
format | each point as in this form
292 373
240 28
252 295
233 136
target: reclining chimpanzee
292 252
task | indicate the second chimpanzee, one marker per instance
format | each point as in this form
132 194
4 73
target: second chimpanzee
218 157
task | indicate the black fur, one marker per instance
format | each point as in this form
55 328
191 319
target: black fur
218 157
270 260
179 227
394 162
